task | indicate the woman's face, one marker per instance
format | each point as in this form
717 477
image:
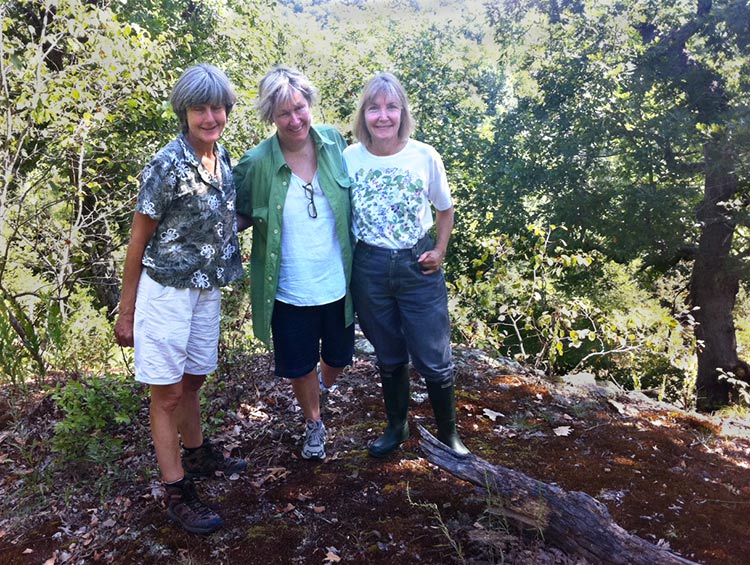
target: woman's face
205 124
383 119
292 119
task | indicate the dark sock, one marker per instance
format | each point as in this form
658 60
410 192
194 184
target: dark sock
194 449
175 483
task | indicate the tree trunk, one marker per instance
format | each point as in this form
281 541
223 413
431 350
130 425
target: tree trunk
572 521
98 269
715 283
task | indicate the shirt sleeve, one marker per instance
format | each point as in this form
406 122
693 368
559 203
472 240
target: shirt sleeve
439 190
157 188
241 177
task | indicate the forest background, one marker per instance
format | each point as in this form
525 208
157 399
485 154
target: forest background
598 153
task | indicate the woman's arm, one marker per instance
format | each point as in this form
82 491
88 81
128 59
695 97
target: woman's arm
431 260
243 222
142 230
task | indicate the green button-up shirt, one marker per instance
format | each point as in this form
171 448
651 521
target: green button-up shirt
262 180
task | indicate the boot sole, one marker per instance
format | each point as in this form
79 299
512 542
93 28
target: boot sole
200 475
205 530
380 454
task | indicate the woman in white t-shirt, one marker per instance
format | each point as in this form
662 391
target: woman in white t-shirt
397 284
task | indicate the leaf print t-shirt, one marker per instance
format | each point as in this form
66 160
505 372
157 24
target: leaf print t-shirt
391 195
195 244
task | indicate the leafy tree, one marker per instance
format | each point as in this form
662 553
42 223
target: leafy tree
71 97
84 89
629 116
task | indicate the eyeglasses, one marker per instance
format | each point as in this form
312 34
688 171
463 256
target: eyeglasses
312 211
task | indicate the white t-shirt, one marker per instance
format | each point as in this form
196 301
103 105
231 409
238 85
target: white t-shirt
312 271
391 195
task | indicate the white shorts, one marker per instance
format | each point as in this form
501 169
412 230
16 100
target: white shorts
176 331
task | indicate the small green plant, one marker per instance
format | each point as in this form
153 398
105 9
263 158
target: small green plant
740 387
95 409
432 507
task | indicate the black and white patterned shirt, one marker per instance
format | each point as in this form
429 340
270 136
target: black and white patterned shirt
195 244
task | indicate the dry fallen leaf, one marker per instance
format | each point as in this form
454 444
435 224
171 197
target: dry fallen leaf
562 430
492 415
617 406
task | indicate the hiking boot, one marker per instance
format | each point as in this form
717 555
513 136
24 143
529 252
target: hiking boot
206 460
315 440
185 508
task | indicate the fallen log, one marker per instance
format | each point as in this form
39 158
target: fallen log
572 521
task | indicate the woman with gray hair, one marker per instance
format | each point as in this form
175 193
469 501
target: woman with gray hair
183 248
293 189
397 280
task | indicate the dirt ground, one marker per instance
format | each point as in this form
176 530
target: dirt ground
673 478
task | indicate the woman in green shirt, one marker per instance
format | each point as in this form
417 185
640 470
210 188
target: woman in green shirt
294 192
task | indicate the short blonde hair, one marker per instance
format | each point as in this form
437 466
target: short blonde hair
278 87
382 84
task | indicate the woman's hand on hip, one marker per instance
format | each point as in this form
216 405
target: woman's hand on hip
430 262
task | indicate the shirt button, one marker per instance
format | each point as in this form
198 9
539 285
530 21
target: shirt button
275 231
278 206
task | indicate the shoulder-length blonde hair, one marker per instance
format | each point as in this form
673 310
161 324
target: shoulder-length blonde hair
278 86
385 84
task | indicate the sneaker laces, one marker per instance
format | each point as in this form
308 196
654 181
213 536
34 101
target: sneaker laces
316 432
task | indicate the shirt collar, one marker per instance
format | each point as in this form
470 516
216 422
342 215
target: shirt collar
192 158
278 157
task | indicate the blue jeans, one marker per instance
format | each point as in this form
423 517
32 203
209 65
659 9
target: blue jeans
403 312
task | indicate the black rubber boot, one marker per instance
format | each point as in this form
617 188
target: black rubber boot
396 397
443 400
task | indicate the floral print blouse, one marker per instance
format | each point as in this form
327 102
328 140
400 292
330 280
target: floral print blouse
195 244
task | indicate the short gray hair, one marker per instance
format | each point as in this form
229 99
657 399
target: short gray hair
201 84
278 87
388 85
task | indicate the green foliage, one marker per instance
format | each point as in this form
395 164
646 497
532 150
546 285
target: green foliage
20 352
570 115
533 300
38 332
84 95
236 337
97 413
83 341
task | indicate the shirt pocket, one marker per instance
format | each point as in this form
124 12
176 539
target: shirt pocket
343 181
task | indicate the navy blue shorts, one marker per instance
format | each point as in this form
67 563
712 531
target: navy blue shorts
302 335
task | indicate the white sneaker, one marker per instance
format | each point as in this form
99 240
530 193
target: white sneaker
315 440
